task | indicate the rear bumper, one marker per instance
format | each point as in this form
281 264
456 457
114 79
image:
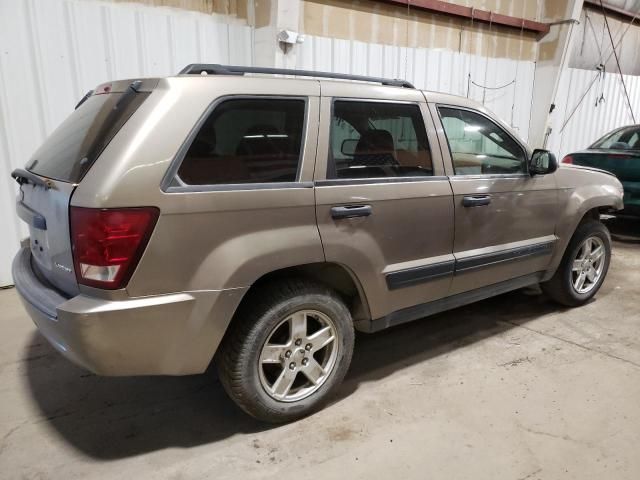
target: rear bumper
175 334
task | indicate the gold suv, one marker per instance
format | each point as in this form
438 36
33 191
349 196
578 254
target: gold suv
234 215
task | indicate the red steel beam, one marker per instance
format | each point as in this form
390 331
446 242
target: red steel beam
476 14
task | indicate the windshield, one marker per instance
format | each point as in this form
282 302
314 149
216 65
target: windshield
623 139
68 153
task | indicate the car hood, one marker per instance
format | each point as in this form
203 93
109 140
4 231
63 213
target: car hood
593 169
590 185
573 176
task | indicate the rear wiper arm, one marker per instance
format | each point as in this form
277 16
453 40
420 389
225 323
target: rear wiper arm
84 99
23 176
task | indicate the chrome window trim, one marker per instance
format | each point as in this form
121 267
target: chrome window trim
237 187
335 182
475 176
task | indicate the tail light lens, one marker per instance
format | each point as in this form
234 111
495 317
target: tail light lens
568 159
108 243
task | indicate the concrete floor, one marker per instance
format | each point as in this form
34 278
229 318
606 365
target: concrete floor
510 388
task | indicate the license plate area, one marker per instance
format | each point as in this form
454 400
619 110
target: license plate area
40 247
46 211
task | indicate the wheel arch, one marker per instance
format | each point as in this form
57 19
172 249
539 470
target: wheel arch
590 213
336 276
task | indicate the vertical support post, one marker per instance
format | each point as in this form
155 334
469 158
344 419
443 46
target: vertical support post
554 51
271 17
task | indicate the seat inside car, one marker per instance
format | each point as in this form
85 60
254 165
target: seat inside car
375 147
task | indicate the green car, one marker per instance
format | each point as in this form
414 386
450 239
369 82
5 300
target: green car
617 152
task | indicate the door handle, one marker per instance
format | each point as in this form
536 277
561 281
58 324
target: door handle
476 200
350 211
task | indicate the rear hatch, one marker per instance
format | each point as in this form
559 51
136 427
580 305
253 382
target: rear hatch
623 164
58 166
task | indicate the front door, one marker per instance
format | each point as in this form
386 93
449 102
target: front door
383 203
504 218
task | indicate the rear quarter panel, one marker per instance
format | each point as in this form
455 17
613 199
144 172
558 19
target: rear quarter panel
206 240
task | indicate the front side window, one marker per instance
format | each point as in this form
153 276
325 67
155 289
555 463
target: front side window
378 140
479 146
252 140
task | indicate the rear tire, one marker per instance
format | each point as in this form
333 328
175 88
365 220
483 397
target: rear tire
584 266
287 350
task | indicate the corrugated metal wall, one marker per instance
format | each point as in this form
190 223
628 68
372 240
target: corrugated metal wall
603 108
438 70
53 51
592 45
406 26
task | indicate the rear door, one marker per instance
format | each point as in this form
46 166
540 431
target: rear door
383 203
505 218
60 164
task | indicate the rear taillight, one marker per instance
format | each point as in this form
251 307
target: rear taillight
108 243
568 159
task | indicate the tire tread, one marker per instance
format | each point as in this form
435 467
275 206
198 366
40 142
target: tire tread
557 287
236 346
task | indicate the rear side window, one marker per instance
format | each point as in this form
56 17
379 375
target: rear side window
69 152
253 140
378 140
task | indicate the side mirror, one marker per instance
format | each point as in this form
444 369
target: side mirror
348 147
542 162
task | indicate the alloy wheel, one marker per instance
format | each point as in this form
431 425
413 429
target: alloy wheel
298 356
588 265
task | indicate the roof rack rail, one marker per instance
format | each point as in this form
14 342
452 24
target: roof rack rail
216 69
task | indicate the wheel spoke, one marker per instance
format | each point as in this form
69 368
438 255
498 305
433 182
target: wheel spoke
298 325
321 338
580 281
597 253
591 275
272 353
577 266
282 385
313 371
588 246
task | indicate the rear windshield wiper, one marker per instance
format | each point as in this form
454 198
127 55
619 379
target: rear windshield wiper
23 176
84 99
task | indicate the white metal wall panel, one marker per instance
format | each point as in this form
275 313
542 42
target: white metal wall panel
431 69
592 118
54 51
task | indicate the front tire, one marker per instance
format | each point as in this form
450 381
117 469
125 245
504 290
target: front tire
584 266
287 351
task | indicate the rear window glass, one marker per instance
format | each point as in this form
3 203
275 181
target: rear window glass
247 141
69 152
624 139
